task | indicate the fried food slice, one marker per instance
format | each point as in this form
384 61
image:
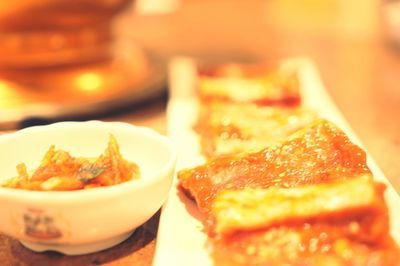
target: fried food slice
253 208
328 224
227 128
273 87
319 153
316 244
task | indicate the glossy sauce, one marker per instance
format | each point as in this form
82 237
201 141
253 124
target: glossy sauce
317 243
320 153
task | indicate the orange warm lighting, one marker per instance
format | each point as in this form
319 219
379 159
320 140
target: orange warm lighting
89 82
6 89
8 95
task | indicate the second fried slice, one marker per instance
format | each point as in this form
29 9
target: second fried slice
227 128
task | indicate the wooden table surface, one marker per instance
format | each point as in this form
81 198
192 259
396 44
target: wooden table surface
359 68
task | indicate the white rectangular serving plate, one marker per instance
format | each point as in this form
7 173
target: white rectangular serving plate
180 239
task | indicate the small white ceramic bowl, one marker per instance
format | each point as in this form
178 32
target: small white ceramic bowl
83 221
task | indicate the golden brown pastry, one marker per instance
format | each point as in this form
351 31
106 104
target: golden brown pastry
227 128
338 223
277 86
319 153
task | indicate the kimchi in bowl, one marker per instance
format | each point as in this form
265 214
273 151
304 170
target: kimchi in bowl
83 220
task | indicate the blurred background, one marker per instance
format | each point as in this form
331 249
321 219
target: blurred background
101 59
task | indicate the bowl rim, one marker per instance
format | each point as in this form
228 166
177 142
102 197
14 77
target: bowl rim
111 191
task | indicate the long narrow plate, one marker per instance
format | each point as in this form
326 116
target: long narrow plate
180 239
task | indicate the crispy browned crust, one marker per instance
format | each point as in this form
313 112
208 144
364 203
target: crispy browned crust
319 153
226 128
277 86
